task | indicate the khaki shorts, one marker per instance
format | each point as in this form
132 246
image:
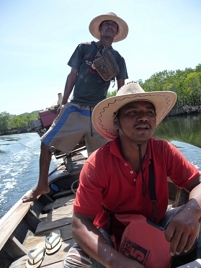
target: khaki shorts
71 125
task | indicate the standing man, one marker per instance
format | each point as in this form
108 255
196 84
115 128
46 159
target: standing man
121 176
74 120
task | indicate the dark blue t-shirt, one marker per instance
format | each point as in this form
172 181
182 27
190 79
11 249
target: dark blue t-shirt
90 88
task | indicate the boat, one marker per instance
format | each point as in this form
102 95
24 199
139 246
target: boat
27 225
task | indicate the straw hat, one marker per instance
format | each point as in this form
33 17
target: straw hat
95 23
104 111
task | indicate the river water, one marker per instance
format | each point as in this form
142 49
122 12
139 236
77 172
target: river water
19 156
19 163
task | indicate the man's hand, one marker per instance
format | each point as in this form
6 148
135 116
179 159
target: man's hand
183 228
93 243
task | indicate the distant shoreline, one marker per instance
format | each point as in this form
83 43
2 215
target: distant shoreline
186 109
17 131
183 110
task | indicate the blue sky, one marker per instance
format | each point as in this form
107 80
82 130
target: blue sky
37 37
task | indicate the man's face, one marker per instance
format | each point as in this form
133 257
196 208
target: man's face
137 121
108 28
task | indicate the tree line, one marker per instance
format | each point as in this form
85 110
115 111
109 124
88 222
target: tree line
185 83
15 123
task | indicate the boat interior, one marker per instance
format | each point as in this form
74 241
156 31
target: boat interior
27 225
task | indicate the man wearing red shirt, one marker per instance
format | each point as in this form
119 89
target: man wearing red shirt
116 177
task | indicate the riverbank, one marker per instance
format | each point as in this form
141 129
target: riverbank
16 131
183 110
186 109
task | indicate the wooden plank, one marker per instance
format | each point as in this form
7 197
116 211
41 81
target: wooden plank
63 193
31 219
51 261
182 197
5 260
19 263
32 241
60 213
11 220
45 226
60 216
63 201
14 248
12 210
59 256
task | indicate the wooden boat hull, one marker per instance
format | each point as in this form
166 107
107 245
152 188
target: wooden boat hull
27 224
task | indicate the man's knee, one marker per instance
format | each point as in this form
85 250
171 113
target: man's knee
77 258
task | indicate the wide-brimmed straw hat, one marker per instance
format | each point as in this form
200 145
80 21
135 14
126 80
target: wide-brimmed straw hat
95 23
104 112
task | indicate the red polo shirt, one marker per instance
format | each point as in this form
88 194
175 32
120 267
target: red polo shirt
107 179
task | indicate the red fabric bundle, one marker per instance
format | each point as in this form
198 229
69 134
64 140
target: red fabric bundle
144 242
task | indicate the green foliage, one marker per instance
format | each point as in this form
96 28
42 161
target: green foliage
10 122
4 121
111 94
187 84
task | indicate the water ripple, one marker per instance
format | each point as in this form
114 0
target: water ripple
19 167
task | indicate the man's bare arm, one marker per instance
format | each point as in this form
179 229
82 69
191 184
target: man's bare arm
184 226
70 82
92 242
120 83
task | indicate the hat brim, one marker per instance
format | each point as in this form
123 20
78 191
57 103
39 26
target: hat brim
95 23
103 113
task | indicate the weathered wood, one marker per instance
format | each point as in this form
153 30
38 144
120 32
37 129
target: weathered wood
64 201
14 248
20 263
27 227
32 220
179 196
38 205
15 216
63 193
59 256
46 199
5 259
32 241
49 261
44 226
182 197
60 213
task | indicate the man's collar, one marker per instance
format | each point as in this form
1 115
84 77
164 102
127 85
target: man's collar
115 149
